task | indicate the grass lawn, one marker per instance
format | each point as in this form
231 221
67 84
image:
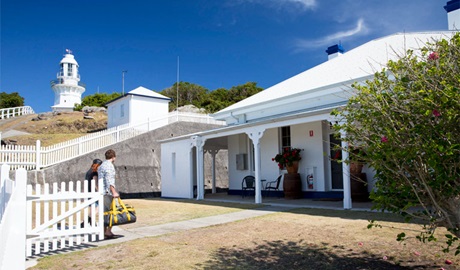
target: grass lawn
296 239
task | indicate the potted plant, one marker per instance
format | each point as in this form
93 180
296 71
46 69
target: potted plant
288 159
357 159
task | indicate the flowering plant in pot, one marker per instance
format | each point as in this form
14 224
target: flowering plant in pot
290 157
357 159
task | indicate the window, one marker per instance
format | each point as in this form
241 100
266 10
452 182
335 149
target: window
61 70
69 70
285 137
122 110
173 166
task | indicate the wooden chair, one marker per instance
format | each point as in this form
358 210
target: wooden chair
248 183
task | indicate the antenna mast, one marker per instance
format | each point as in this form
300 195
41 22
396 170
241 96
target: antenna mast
123 82
177 85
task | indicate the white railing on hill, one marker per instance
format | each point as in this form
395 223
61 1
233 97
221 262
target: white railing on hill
16 111
33 157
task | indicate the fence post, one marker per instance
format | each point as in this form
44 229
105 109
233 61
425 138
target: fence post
79 146
37 155
118 133
14 256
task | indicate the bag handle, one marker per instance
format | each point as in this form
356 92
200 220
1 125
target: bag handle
120 203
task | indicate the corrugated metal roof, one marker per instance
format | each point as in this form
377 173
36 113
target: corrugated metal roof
357 63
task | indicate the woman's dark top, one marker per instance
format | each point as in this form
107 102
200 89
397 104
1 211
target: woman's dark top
89 176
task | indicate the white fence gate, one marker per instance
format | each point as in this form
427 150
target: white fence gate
40 219
58 218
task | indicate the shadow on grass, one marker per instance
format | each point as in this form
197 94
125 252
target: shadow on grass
324 212
297 255
354 215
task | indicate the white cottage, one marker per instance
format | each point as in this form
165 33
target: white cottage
138 106
293 113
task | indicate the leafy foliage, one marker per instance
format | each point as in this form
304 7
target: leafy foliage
287 157
96 100
11 100
407 120
212 101
189 93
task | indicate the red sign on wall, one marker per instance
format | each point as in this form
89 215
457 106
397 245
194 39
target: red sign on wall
311 133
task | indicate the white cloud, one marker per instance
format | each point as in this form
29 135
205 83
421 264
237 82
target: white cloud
303 44
306 4
284 4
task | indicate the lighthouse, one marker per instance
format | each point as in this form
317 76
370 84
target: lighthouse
67 87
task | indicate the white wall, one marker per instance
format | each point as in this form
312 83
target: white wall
145 108
176 162
269 147
312 156
137 109
237 144
114 112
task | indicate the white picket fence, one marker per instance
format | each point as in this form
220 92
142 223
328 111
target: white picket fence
33 157
15 111
38 219
57 218
12 219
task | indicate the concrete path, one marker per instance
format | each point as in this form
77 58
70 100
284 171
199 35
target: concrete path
12 133
135 233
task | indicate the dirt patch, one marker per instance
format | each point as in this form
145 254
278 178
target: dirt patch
54 128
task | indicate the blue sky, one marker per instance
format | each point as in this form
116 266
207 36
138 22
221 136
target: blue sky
220 43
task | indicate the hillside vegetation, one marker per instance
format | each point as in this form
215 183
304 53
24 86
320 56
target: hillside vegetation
52 128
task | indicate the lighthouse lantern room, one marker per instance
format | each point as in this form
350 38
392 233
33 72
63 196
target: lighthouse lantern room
67 87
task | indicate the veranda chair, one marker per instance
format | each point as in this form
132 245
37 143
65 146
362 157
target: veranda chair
273 185
248 183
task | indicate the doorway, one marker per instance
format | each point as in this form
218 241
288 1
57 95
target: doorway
336 167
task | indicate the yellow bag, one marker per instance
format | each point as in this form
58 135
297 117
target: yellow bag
119 214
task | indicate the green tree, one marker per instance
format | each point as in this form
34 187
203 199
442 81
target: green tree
240 92
407 121
189 93
212 101
216 100
11 100
96 100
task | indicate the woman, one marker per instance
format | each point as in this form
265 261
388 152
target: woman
90 175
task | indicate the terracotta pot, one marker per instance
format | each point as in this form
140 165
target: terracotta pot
292 186
294 168
356 167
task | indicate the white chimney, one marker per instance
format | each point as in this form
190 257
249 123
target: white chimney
334 51
453 14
